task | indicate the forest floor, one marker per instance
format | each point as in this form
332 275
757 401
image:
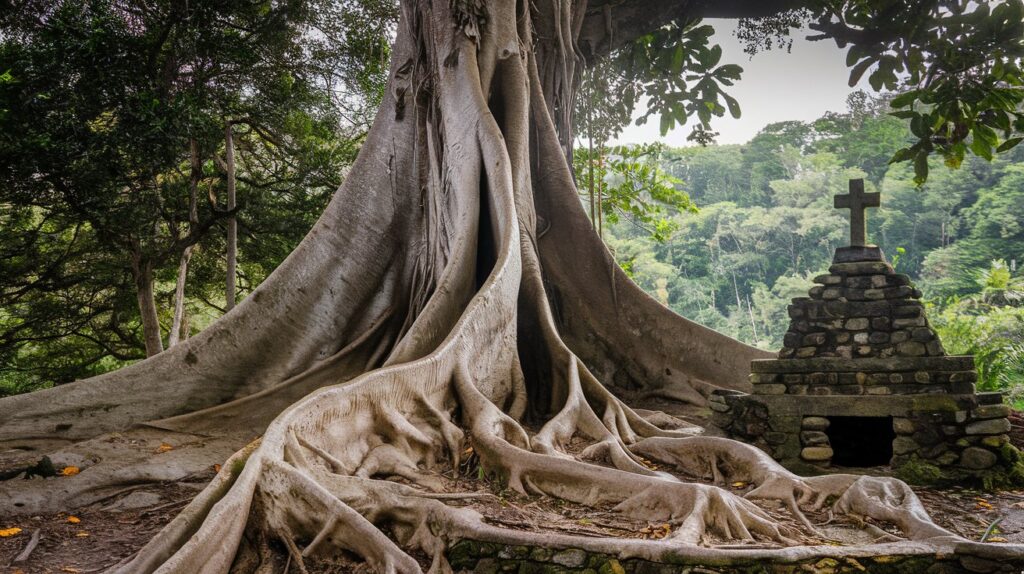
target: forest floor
96 537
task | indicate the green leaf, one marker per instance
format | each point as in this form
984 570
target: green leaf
1009 144
921 167
905 99
667 123
734 106
859 69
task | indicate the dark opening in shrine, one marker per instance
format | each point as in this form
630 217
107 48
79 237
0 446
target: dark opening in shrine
861 441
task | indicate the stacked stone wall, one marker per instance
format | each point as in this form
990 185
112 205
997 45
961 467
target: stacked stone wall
860 309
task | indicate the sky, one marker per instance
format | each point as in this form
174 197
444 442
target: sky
776 86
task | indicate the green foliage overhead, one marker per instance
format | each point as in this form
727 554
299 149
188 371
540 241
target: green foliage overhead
102 104
956 63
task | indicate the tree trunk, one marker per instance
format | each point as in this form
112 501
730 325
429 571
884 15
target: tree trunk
142 273
232 247
453 291
195 175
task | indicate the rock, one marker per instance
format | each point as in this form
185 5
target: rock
911 348
720 407
791 339
878 337
805 352
935 348
612 567
831 293
815 423
816 453
881 324
991 412
861 268
572 558
903 445
857 324
896 378
816 291
976 564
813 438
922 377
995 441
963 376
899 336
909 322
860 338
814 339
901 425
769 389
908 311
922 334
976 458
991 426
874 294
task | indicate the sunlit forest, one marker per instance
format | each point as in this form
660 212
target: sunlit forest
756 224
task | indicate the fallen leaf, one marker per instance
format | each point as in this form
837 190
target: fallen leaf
70 570
82 534
995 539
7 532
164 448
74 519
739 485
216 468
70 471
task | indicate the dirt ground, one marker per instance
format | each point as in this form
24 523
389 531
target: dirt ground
94 538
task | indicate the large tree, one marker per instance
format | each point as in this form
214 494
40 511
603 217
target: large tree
453 293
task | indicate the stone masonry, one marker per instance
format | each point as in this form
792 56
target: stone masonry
860 309
860 363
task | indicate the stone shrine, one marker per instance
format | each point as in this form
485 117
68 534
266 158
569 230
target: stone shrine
862 380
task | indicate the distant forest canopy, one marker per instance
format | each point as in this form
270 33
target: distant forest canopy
765 226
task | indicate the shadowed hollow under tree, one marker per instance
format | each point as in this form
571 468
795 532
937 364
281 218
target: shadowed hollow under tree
452 299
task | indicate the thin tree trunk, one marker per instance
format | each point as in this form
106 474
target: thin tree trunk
600 194
590 163
142 272
232 250
186 255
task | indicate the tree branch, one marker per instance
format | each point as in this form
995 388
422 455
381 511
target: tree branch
610 24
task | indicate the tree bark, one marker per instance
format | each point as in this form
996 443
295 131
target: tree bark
232 241
142 273
178 324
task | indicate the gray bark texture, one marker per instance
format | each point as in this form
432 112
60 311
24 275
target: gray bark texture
452 295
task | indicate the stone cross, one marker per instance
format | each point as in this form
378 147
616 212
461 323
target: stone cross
857 201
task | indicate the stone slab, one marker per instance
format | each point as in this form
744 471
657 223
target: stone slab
860 405
856 253
867 364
